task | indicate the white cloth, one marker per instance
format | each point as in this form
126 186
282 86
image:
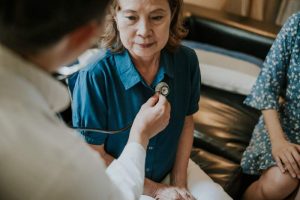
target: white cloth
200 185
43 159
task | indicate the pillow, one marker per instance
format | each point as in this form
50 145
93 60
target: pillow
225 69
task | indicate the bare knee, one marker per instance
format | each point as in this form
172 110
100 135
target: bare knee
276 185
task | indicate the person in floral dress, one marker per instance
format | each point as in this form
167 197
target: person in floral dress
274 150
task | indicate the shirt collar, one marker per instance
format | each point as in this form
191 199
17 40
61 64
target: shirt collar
129 74
55 93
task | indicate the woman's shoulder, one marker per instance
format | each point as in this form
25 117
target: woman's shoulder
292 24
100 61
295 17
94 67
184 50
185 53
289 34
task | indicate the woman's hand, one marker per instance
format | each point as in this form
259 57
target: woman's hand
165 192
286 154
185 193
287 157
152 118
168 193
173 193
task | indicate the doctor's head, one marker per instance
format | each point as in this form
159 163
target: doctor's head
144 27
31 27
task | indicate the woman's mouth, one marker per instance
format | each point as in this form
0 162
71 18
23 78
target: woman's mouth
145 45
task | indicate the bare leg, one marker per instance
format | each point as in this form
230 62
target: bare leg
297 195
273 185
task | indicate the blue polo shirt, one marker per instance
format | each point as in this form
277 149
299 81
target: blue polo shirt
109 93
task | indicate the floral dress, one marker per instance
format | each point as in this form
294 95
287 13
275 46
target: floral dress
279 77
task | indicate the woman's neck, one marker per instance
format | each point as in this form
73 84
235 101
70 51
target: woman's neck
147 67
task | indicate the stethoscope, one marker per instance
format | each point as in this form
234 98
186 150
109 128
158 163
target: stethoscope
162 88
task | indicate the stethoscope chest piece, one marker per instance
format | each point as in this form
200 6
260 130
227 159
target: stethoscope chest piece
162 88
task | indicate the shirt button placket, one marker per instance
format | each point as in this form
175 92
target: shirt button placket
150 148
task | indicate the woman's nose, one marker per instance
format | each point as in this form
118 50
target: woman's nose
144 28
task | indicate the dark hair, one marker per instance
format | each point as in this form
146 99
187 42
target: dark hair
32 25
111 38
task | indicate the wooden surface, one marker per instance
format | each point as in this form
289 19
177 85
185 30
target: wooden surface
245 23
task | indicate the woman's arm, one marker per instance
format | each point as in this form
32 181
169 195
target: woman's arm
273 125
179 172
286 154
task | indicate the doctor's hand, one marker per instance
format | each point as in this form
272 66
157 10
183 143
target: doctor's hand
152 118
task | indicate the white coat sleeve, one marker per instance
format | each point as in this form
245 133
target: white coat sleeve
85 176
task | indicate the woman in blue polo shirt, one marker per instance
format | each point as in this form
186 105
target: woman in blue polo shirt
143 38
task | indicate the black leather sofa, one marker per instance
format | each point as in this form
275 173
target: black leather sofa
221 138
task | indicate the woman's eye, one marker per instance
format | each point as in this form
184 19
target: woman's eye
157 18
131 18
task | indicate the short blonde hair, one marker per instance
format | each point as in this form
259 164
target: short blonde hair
111 39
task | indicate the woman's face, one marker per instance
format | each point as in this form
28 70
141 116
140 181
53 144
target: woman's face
144 26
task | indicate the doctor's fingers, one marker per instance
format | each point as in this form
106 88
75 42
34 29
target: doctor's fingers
163 104
162 100
152 101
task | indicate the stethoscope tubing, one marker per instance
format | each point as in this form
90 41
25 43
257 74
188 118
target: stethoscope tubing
101 130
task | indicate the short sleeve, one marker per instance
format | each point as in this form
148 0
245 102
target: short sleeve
89 108
272 78
195 79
